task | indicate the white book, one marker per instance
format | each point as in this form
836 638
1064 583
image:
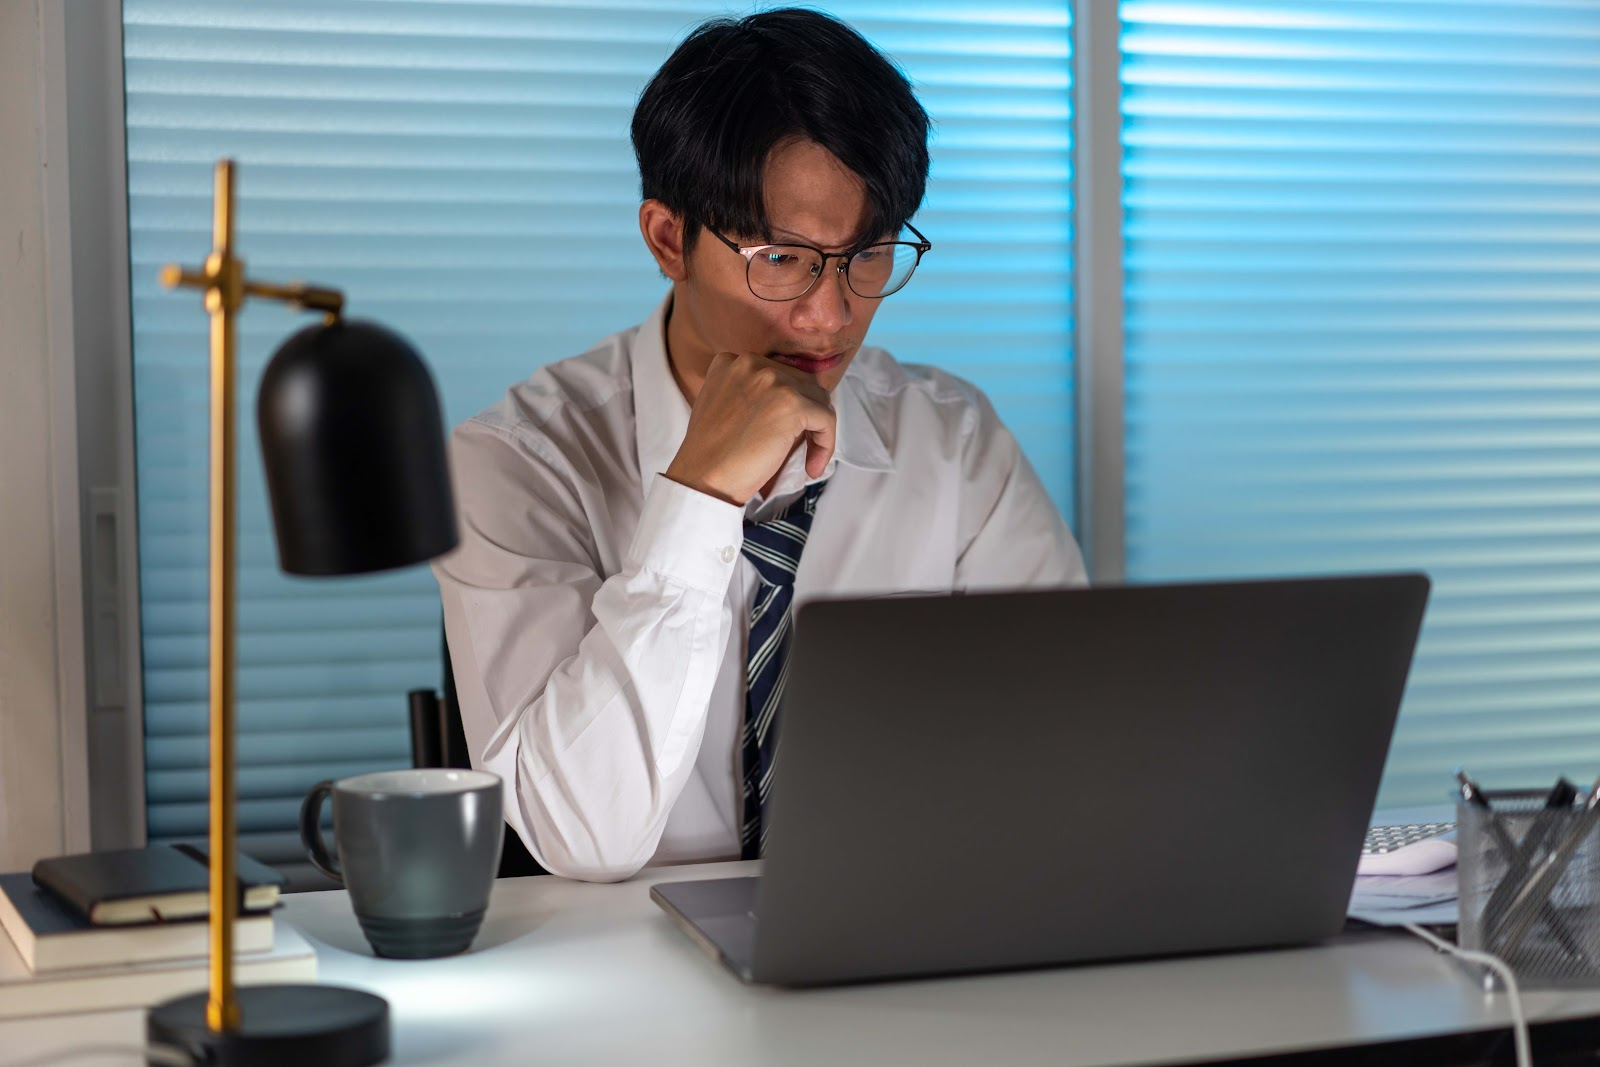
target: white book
52 936
24 994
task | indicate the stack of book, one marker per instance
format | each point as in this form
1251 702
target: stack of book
127 929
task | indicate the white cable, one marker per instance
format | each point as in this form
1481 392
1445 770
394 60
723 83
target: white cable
1501 970
164 1055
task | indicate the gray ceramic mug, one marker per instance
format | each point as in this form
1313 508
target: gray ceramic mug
418 851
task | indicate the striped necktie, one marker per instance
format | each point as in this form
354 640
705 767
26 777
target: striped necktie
774 547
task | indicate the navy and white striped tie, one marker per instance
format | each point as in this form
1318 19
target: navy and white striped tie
774 547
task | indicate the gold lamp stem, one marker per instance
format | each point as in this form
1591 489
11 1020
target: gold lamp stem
224 291
225 288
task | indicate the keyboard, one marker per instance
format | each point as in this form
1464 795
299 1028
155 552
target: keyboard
1382 840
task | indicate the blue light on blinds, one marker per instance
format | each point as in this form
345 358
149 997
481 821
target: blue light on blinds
1363 331
462 171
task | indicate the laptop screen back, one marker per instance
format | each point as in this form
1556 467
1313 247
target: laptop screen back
997 781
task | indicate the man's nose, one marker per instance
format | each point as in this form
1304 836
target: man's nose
826 306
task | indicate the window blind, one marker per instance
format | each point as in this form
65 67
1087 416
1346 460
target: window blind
1363 332
463 172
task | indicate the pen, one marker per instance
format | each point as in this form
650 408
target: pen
1470 791
1519 858
1492 910
1534 897
1560 799
1475 796
1544 822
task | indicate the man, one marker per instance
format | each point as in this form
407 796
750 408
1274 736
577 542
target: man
633 518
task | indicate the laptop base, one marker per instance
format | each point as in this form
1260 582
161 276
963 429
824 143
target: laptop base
718 914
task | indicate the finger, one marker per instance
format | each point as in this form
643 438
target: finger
820 443
721 364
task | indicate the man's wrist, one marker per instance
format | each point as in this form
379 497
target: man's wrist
702 485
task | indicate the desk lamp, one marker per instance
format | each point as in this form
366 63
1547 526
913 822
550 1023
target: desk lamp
353 445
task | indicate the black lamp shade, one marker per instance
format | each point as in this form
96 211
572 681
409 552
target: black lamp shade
353 445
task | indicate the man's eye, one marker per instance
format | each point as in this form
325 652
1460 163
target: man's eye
781 259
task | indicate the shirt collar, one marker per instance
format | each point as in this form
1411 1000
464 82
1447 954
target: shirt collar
661 414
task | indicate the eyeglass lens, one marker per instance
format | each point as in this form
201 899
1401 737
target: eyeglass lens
782 272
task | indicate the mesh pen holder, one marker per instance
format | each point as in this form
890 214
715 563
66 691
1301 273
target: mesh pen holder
1545 923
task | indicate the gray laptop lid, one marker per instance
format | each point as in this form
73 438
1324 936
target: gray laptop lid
997 781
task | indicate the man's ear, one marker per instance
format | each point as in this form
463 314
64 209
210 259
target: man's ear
662 229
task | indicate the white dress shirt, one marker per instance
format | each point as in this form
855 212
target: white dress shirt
597 611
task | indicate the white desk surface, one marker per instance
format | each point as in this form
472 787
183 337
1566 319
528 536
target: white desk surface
567 973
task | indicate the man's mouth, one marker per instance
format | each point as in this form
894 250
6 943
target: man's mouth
811 364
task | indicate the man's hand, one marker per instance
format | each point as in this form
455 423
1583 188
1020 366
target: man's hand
749 415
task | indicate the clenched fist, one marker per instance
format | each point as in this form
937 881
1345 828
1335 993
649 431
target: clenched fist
749 415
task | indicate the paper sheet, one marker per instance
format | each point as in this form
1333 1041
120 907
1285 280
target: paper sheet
1396 900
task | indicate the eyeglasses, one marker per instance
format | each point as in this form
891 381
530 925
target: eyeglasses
787 272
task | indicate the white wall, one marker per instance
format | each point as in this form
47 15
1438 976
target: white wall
31 817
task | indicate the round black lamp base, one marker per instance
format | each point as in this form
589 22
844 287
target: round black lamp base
302 1025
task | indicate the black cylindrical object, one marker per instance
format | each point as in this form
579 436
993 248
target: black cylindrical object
353 444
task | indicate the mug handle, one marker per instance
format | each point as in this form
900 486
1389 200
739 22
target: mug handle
311 832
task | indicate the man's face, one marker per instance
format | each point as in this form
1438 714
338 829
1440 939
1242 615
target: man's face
812 199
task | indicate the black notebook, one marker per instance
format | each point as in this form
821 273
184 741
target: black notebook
158 883
50 935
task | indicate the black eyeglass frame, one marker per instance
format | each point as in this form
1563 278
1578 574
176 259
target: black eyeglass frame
921 244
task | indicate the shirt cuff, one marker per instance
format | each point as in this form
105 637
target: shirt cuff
687 536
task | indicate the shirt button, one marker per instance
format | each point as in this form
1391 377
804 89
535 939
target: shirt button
728 552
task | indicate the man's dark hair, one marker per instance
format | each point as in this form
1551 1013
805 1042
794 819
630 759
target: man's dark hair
737 88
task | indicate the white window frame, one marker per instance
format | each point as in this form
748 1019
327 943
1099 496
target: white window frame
1097 262
90 350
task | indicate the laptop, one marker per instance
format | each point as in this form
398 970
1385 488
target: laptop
998 781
